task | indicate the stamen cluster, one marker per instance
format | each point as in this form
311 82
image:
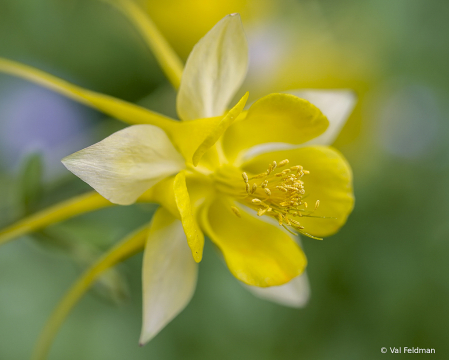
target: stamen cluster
279 194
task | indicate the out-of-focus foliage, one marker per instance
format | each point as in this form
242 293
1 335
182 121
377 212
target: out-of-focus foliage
381 281
30 182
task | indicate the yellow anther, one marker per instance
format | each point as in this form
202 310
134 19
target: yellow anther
253 188
261 212
283 200
258 176
236 211
281 188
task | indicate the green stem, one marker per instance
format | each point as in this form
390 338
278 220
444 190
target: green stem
59 212
129 246
165 55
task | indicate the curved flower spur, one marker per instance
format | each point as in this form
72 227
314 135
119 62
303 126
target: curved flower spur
251 180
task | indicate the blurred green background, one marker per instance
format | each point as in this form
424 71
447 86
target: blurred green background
383 280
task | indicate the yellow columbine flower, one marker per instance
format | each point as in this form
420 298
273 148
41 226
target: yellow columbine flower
248 179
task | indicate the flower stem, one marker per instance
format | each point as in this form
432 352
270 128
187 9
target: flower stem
165 55
126 248
62 211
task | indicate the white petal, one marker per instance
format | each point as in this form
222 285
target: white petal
295 293
169 274
337 105
127 163
214 71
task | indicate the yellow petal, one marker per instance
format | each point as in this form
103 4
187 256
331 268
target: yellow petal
256 252
127 163
295 293
189 135
169 274
195 138
165 55
126 248
214 135
56 213
274 118
336 105
329 181
119 109
195 237
214 71
163 194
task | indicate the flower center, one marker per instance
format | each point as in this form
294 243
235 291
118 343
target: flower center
278 192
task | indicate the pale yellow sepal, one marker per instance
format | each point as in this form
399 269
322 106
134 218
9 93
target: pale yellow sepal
257 253
164 53
127 163
295 294
56 213
126 248
119 109
214 71
169 274
216 133
329 181
274 118
195 237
